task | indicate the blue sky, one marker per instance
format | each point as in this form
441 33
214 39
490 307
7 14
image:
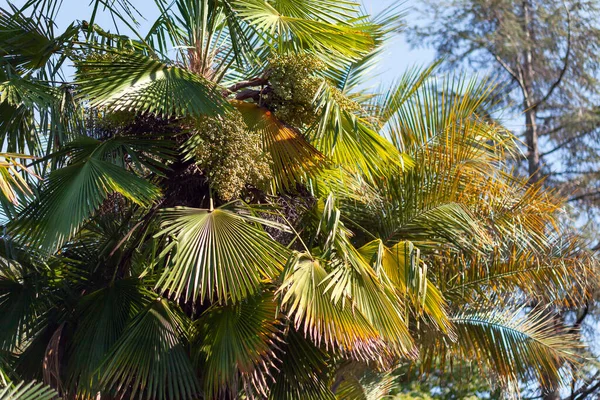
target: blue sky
398 57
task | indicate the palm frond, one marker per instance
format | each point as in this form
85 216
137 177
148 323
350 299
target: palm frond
514 344
292 156
358 382
303 371
402 267
304 299
149 360
28 391
349 140
352 279
28 43
237 344
139 83
402 90
216 255
102 317
71 195
12 182
342 39
349 75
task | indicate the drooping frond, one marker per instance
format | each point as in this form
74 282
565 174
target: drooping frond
352 279
402 267
312 311
70 197
217 255
28 42
558 273
513 344
12 182
292 156
345 137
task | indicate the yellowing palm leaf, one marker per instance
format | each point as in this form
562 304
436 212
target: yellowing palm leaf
304 299
292 156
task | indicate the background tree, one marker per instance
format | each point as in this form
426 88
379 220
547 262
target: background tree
219 211
544 53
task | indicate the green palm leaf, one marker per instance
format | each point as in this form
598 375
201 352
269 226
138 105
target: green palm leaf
238 342
516 345
149 360
216 255
101 319
139 83
70 197
29 43
348 139
28 391
343 39
302 373
21 308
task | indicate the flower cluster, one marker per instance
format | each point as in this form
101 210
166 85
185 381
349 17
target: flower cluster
229 154
295 83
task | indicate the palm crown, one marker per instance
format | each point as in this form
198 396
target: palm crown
238 217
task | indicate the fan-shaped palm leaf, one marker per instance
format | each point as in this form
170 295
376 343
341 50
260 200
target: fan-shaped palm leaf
343 39
149 360
238 342
216 255
72 194
139 83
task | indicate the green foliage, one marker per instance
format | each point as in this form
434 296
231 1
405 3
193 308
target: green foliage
216 255
244 220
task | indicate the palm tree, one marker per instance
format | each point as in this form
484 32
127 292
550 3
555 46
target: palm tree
219 209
